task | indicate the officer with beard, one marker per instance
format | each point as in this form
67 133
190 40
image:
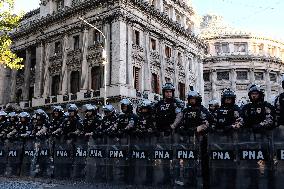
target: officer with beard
168 111
279 105
92 121
3 125
12 128
195 122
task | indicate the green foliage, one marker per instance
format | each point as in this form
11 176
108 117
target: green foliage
8 22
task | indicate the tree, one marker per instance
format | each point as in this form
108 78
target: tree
8 22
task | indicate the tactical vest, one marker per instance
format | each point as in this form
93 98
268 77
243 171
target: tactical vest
225 117
192 117
255 114
281 112
165 114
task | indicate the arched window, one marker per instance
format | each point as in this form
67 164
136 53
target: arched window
75 82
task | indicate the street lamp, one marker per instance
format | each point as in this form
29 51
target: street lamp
104 55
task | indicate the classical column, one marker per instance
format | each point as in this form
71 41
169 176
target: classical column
27 75
234 79
268 84
200 81
147 71
160 5
129 66
39 70
251 75
107 31
175 79
214 81
231 48
85 66
46 77
162 61
64 71
186 67
118 72
13 86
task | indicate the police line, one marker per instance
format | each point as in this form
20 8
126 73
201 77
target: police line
188 154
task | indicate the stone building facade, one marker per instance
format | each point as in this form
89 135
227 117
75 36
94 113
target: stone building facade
236 59
148 42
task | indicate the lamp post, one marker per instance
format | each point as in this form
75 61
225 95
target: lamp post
104 55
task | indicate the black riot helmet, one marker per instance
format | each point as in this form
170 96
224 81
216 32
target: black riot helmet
3 116
228 93
90 110
13 116
166 87
196 95
108 109
126 102
256 88
24 117
145 107
41 115
59 110
72 108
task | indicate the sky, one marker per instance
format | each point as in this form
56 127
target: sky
259 16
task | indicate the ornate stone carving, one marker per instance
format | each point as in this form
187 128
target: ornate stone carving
55 64
74 59
95 53
169 63
138 56
20 79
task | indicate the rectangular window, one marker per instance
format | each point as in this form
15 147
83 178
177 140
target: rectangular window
225 47
168 52
57 47
97 36
153 44
76 42
242 75
206 76
136 77
75 82
178 18
136 37
155 84
55 85
258 75
60 4
273 77
179 58
240 47
223 75
218 48
181 87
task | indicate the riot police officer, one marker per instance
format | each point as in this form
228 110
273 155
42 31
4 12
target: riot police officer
127 120
55 129
72 125
168 111
228 116
279 105
196 117
109 122
213 105
145 118
258 114
195 122
92 121
3 125
40 128
12 128
25 125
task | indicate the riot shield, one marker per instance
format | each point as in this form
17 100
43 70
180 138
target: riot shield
117 162
3 158
223 159
162 154
186 162
14 157
140 171
63 158
28 158
278 157
255 167
80 156
96 168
